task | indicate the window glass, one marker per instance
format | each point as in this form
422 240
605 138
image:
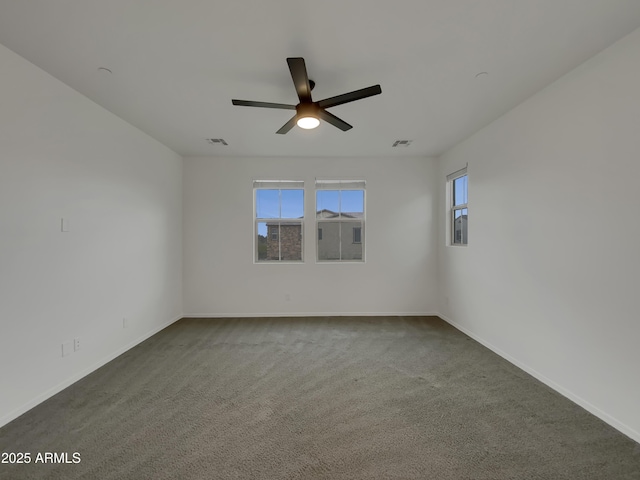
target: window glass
292 203
279 223
460 226
352 201
329 244
328 203
460 190
262 241
340 216
357 235
349 249
267 203
290 241
459 213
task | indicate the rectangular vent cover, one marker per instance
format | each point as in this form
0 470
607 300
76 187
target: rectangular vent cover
214 141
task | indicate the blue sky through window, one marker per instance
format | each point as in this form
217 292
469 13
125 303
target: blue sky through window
278 204
340 201
289 204
460 191
292 203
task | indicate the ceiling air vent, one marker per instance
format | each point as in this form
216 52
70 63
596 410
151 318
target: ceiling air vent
214 141
402 143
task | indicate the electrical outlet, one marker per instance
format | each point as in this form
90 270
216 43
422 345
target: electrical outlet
76 344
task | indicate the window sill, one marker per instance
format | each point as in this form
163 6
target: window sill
325 262
279 262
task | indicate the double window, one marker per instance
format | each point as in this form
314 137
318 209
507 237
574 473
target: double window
340 219
459 212
279 221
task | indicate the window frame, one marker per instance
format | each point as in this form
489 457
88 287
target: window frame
453 207
278 185
340 186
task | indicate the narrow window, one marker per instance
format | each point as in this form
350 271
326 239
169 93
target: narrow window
459 212
278 220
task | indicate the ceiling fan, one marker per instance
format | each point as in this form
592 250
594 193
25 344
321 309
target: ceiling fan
309 113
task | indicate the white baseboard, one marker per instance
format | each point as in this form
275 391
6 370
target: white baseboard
308 314
602 415
83 373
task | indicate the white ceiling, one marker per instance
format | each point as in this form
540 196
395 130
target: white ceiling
178 63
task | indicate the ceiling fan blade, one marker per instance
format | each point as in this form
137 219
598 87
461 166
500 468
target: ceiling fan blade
333 120
300 78
249 103
288 126
350 97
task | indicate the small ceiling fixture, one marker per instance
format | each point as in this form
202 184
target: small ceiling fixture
214 141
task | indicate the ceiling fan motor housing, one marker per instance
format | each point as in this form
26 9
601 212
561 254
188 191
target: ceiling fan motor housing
307 110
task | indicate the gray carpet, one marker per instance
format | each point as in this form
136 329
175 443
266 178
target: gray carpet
315 398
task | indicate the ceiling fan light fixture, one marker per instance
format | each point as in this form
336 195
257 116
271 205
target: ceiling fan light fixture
309 113
308 122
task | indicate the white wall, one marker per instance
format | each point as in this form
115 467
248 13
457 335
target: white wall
221 279
551 273
62 155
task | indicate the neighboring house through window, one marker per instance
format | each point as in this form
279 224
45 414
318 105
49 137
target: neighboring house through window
340 219
458 201
357 234
279 220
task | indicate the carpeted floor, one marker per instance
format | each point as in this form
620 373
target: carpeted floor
315 398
